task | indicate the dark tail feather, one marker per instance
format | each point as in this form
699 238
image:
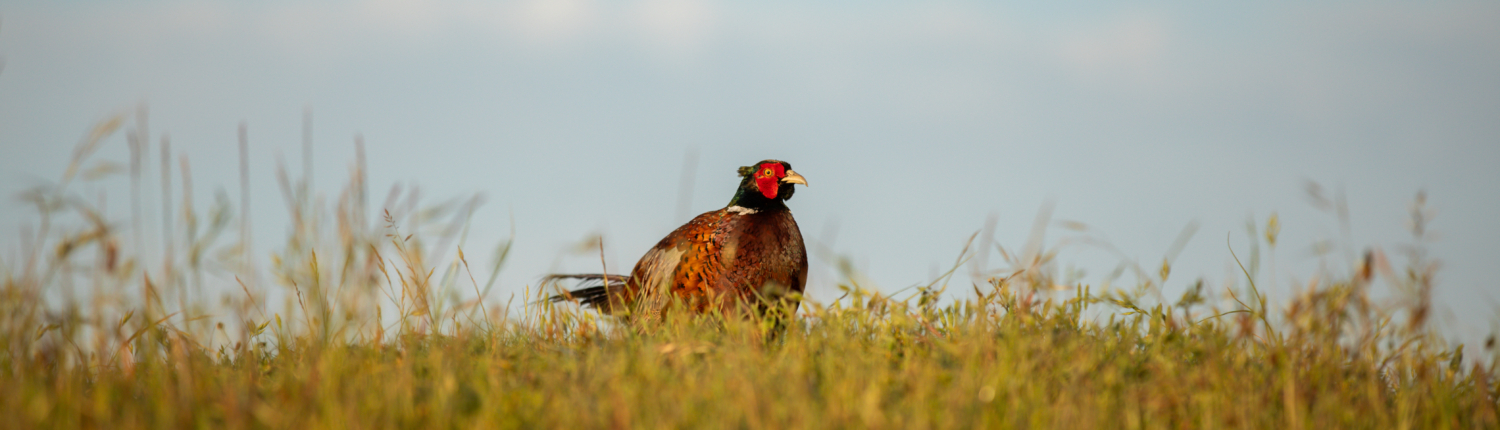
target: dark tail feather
591 289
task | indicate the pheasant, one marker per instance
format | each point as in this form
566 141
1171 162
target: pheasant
748 253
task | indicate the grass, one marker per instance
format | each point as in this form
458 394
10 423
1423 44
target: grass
380 329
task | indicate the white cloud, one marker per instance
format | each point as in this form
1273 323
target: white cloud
551 21
1130 46
673 27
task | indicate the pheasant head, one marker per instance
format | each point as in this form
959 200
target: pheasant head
766 184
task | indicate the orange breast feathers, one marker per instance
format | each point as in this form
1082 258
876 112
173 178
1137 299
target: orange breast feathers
681 264
722 256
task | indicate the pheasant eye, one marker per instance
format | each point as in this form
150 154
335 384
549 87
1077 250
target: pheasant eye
768 172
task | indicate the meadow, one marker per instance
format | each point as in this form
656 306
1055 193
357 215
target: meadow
380 327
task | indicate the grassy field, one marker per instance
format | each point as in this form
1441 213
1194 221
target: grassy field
380 329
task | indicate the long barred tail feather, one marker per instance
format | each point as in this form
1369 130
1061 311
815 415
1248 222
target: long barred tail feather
590 290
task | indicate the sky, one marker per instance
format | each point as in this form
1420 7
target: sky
916 124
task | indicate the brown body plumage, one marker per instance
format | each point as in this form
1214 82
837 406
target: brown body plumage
745 256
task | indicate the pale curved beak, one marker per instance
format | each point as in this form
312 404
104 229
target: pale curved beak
793 178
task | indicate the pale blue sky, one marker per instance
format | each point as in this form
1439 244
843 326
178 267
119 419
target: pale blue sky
913 122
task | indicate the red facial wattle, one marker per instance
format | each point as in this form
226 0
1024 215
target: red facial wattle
768 178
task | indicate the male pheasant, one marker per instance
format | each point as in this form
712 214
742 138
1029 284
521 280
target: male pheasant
749 253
